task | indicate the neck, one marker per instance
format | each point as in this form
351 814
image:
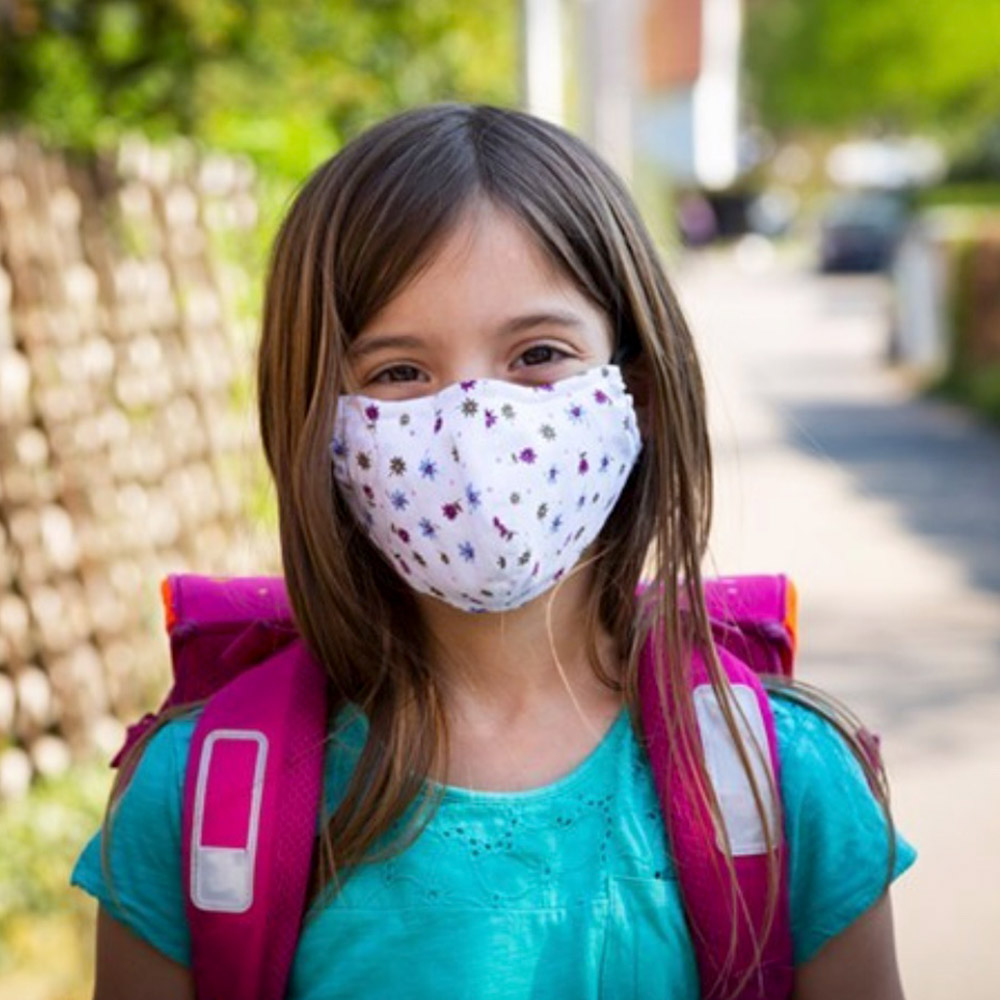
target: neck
526 665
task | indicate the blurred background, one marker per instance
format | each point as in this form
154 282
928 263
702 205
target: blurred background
823 177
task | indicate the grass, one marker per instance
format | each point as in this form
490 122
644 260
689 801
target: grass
46 927
978 390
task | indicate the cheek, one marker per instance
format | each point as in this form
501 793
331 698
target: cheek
603 341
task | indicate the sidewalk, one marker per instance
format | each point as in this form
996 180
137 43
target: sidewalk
886 512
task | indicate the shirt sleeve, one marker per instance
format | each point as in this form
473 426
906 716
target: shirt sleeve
838 838
141 885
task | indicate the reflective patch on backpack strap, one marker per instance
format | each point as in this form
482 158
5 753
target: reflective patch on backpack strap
227 819
727 774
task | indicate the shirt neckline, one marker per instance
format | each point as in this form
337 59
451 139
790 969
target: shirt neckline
460 793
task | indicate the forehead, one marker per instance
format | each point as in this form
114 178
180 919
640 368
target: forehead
486 266
488 234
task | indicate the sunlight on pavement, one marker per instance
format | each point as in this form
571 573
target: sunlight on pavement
883 509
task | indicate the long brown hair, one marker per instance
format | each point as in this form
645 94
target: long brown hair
363 225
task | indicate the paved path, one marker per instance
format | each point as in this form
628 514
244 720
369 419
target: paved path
886 511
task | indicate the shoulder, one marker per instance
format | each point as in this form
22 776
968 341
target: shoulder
819 772
843 850
818 766
807 739
133 866
161 770
155 786
166 752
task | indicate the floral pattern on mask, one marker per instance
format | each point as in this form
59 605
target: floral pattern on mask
487 493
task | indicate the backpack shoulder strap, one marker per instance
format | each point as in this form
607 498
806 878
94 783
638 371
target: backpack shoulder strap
251 801
713 911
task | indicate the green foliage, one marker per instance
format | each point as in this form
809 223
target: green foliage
971 195
285 82
884 62
977 389
46 930
42 833
984 392
967 381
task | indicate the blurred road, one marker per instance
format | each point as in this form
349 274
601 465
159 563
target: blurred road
886 511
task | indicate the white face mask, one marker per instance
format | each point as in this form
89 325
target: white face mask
486 493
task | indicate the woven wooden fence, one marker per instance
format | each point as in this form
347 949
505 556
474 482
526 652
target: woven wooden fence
122 453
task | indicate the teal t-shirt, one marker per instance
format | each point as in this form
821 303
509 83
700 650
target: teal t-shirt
564 890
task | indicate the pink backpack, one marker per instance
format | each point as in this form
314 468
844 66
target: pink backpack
254 773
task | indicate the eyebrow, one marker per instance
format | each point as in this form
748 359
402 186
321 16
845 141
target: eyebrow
555 317
383 342
517 324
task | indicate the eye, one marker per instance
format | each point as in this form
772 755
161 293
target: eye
542 354
397 373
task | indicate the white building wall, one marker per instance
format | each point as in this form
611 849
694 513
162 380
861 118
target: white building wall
690 133
716 97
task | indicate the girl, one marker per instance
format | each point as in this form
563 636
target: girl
463 313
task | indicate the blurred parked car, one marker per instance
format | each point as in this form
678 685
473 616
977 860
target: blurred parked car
772 212
859 230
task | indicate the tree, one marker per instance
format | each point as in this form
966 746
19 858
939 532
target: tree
896 63
285 81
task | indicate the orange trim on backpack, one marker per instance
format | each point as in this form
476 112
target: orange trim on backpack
167 594
791 621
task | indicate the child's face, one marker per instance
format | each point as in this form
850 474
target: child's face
488 305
